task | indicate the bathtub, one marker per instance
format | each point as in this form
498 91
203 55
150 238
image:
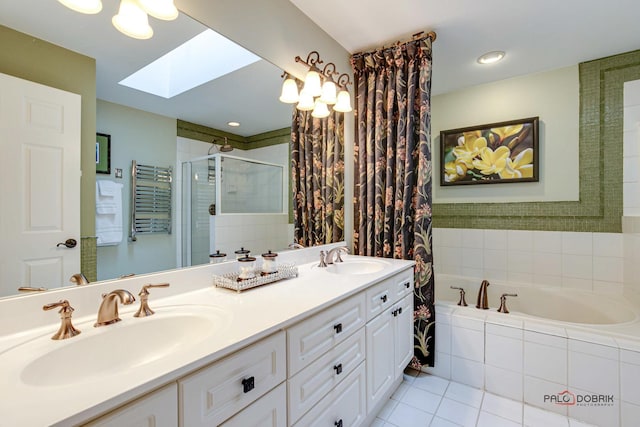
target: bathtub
551 341
545 303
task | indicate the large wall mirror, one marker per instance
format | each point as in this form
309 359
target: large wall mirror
143 126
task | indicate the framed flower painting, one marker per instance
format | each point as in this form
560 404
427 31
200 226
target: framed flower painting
488 154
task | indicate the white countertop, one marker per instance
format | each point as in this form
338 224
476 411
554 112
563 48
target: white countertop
250 316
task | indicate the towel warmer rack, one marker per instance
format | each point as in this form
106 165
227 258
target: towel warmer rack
150 199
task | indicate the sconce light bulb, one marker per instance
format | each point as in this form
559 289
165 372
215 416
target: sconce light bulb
328 93
161 9
132 20
320 110
312 83
306 102
344 102
89 7
289 93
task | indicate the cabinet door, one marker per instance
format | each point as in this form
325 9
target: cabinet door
213 394
344 406
268 411
380 297
311 384
159 409
314 336
403 284
403 333
380 357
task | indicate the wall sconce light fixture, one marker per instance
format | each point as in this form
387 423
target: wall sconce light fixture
132 18
320 91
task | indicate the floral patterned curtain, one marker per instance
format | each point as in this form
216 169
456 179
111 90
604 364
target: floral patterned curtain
392 193
317 161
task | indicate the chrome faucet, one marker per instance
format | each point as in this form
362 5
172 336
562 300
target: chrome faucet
108 311
483 303
144 309
79 279
66 329
329 259
322 263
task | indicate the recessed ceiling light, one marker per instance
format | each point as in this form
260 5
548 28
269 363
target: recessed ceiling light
491 57
234 124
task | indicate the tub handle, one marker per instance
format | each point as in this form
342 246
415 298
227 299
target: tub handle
503 302
462 301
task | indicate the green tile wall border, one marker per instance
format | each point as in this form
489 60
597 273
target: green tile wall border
89 258
207 134
601 133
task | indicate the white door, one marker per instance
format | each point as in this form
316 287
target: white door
39 184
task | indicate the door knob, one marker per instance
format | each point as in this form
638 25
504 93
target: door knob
69 243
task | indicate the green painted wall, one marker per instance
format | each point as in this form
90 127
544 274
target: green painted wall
600 206
33 59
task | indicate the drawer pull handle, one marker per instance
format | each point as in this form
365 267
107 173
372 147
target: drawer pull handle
338 328
338 423
248 384
395 313
407 285
384 298
400 310
338 368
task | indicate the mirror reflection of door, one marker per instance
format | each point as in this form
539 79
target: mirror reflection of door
39 185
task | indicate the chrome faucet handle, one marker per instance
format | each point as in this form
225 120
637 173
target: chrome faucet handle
66 329
338 250
144 309
322 264
503 302
108 311
462 301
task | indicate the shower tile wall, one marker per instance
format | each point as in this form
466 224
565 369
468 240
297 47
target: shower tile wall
588 261
257 233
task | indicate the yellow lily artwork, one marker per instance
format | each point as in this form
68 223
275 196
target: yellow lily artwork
492 153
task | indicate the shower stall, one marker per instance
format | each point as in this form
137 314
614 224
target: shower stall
230 202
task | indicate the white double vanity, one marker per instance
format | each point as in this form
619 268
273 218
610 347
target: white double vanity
324 349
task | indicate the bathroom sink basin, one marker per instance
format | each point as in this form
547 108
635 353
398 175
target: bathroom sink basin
129 344
349 267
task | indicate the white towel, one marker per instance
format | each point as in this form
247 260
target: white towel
107 188
109 228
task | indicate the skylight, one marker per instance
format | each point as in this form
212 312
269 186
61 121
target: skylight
205 57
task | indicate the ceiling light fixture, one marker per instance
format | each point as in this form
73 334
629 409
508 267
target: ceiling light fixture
320 92
132 20
491 57
234 124
89 7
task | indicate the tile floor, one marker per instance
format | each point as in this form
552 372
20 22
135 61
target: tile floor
427 400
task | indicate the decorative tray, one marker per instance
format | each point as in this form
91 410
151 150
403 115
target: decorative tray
231 280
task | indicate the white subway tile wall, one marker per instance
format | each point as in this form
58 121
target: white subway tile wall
631 149
589 261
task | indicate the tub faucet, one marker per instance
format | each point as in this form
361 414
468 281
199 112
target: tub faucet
461 302
503 302
329 259
108 311
483 303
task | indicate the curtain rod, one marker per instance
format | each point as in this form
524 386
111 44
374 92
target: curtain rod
431 35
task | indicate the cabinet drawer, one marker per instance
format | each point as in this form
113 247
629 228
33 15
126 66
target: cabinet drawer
308 386
313 337
213 394
268 411
380 297
159 409
403 284
345 405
